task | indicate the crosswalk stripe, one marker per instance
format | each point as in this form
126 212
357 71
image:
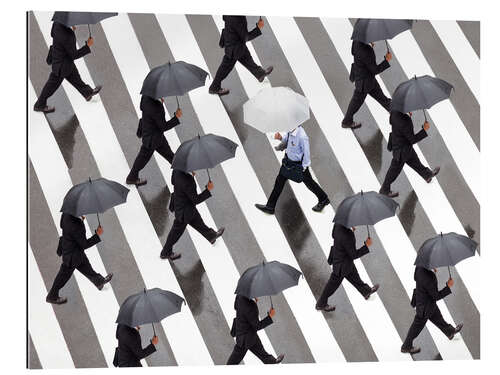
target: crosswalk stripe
181 329
431 196
461 52
245 184
357 169
133 67
43 326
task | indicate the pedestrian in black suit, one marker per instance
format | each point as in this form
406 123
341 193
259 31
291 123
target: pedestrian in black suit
363 72
401 143
233 38
183 203
424 300
130 351
72 246
245 327
341 257
62 56
151 128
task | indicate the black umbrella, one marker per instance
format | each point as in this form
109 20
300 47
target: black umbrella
445 250
420 93
149 306
173 80
369 30
203 152
81 18
94 197
365 209
267 279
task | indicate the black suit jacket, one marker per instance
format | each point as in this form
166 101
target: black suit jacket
236 34
343 252
403 135
74 241
185 197
130 351
365 68
154 123
426 292
247 323
64 50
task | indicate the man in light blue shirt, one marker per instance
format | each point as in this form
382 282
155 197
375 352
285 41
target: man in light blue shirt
296 144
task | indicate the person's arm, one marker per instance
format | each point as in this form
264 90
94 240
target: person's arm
72 51
350 247
433 291
372 66
194 197
164 125
410 135
254 33
83 242
253 320
306 161
140 352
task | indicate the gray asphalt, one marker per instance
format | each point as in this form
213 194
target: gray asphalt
472 31
33 360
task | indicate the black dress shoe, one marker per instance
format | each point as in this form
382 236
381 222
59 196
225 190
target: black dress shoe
171 256
458 328
219 92
435 171
45 109
390 194
264 208
137 182
373 290
352 125
280 358
319 207
412 350
94 92
217 235
267 71
56 301
326 308
107 279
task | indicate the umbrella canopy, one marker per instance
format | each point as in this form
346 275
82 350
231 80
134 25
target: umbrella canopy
148 306
275 109
365 209
172 79
93 197
203 152
81 18
420 93
445 250
369 30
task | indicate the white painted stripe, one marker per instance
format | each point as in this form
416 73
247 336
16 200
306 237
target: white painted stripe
383 336
43 326
134 67
44 153
349 155
246 188
181 329
461 52
431 196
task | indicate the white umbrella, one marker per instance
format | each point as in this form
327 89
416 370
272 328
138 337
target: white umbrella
276 109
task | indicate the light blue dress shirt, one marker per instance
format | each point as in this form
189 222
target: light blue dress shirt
298 146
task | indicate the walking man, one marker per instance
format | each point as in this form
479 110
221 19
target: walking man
183 202
130 351
296 144
363 72
245 327
341 258
401 143
424 299
72 246
233 38
151 128
61 56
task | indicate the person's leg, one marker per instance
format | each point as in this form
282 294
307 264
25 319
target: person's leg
314 186
414 162
437 319
48 90
164 150
75 80
260 352
224 69
360 285
61 279
279 184
377 94
247 61
140 162
416 327
173 236
330 288
86 269
358 97
392 173
237 355
200 226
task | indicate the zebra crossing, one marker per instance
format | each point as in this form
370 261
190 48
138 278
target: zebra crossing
126 47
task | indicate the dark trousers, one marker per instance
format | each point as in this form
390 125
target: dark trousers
419 323
179 227
239 352
334 282
359 97
312 185
145 154
55 81
399 159
65 273
228 63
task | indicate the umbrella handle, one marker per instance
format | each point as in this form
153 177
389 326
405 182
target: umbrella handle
90 34
98 221
387 45
449 273
154 332
425 117
176 98
209 179
272 307
368 229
